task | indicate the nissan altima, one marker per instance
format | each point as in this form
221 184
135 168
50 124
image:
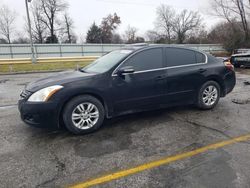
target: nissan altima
129 80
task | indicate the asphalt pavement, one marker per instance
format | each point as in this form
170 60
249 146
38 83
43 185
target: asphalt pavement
32 157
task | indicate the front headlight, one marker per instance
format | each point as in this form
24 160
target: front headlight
44 94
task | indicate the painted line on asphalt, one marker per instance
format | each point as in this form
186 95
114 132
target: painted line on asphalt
157 163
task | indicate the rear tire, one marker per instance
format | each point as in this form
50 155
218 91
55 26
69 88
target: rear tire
209 95
83 114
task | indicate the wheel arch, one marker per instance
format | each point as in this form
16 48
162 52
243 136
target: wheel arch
219 80
97 96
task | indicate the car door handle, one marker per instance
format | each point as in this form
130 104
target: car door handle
202 70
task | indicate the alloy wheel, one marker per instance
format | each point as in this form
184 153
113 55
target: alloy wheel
210 95
85 116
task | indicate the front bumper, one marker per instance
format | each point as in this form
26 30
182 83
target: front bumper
39 114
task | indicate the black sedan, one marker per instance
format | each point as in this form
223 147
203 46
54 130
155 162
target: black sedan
133 79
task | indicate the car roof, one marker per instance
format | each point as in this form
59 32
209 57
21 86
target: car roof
141 46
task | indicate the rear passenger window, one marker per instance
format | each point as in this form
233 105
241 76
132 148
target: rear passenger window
200 58
178 57
146 60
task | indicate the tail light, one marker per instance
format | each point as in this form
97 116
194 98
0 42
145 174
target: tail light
229 65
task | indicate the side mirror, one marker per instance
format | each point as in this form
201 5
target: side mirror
126 70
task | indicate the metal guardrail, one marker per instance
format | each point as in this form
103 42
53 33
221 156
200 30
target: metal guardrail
12 51
48 60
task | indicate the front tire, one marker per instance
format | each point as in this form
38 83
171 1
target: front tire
209 95
83 114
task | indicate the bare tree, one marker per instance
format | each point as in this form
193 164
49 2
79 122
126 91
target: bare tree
165 20
242 13
185 22
21 38
154 36
222 8
51 9
171 26
116 39
130 34
7 20
67 28
231 10
198 36
38 26
224 33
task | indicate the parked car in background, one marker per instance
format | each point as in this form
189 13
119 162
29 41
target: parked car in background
241 51
239 60
133 79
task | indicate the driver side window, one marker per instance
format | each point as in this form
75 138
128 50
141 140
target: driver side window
146 60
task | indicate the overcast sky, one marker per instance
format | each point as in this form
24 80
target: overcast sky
137 13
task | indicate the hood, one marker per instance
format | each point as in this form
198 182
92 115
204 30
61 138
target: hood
57 79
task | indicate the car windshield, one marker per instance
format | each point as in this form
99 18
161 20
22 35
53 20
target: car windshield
107 61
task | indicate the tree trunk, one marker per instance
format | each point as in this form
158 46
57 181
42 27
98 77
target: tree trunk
8 37
68 33
180 38
169 36
243 18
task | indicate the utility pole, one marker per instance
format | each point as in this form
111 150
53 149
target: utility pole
33 58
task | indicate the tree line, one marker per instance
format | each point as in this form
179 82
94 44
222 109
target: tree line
51 23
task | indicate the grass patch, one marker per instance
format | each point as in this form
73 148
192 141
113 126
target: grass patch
15 68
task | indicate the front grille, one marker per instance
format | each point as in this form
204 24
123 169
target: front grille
25 94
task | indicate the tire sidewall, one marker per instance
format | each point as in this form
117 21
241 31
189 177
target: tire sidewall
72 104
200 102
